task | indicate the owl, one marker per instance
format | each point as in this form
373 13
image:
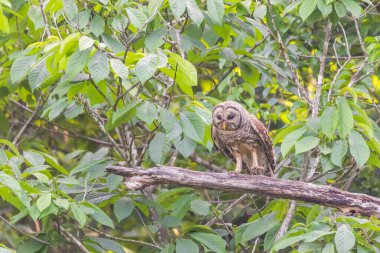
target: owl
240 136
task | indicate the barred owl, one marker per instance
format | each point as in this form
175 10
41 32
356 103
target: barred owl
240 136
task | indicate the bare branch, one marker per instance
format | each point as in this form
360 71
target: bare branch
354 78
69 237
344 64
301 90
285 224
40 103
317 98
22 232
349 203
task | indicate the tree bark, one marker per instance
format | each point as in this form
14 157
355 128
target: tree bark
347 202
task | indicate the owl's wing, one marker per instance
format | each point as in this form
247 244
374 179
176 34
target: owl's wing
261 131
219 144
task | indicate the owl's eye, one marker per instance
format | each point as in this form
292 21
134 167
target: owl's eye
219 117
231 116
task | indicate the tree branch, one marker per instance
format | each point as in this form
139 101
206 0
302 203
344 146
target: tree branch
347 202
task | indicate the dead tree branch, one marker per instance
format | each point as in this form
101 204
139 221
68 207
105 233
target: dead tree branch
347 202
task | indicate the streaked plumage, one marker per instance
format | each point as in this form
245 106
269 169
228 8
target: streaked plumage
240 136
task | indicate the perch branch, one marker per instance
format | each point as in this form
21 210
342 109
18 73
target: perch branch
347 202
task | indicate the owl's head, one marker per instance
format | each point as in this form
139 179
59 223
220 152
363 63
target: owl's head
228 116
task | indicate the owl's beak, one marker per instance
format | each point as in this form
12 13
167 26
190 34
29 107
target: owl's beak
224 125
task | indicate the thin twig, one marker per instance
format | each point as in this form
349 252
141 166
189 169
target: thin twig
301 90
22 232
288 218
357 73
318 91
342 66
122 239
16 139
69 237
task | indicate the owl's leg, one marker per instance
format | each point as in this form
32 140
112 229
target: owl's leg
239 162
256 169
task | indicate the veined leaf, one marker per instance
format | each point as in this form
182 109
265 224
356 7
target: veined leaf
338 152
358 148
212 241
186 246
345 120
307 7
98 66
158 148
329 120
215 10
146 67
307 143
344 239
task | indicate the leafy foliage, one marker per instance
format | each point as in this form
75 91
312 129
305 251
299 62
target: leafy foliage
86 84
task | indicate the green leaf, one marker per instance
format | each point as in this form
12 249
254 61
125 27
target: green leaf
340 9
316 234
119 68
146 67
186 72
123 115
97 25
37 75
169 248
286 242
215 9
329 248
34 158
34 13
353 7
329 120
260 12
194 12
70 8
167 119
200 207
338 152
170 221
324 8
79 215
259 227
344 239
147 112
99 215
20 67
155 39
307 7
186 246
345 121
185 147
109 245
177 7
358 148
292 6
291 139
192 128
85 42
307 143
30 247
10 145
123 208
158 148
98 66
64 203
77 61
214 242
136 17
43 201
